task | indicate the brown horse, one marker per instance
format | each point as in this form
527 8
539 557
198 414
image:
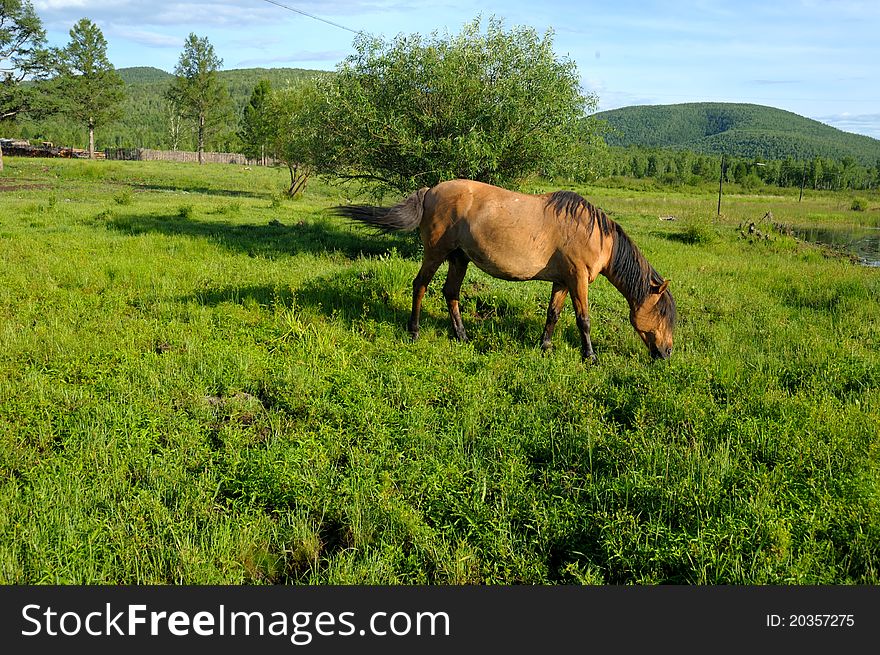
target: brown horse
558 237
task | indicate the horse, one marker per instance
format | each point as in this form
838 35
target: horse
557 237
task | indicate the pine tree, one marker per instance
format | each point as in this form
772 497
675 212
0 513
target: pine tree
255 127
89 88
22 57
196 90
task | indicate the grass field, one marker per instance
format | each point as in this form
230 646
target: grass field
202 382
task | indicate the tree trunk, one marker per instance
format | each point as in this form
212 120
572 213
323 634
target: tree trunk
298 179
201 137
91 140
1 158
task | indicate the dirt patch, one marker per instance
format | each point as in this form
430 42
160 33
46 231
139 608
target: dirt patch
22 187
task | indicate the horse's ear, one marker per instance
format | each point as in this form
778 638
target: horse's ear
659 290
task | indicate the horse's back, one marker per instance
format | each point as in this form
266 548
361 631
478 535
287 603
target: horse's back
505 233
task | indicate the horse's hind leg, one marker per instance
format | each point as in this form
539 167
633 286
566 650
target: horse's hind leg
458 263
430 263
554 309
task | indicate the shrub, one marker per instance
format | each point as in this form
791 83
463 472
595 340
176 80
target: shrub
696 233
859 205
123 197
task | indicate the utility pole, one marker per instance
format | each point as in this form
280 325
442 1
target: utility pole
803 182
720 183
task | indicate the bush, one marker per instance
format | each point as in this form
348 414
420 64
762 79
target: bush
490 105
696 233
123 197
859 205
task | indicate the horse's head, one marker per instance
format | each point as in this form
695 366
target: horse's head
654 320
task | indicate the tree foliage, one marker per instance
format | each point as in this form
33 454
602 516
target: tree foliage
295 132
256 124
89 89
494 105
196 92
23 56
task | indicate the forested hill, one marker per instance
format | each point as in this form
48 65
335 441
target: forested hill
146 115
143 75
147 84
741 130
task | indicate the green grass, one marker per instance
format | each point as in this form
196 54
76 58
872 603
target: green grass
203 383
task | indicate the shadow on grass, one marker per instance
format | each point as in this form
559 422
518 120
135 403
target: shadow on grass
225 193
356 294
317 235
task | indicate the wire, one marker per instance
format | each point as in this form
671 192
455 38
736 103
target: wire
307 14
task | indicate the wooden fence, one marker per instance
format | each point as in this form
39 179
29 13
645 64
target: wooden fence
146 154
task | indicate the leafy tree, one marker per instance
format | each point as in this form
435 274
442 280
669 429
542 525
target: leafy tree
294 134
196 90
256 123
494 106
89 88
22 57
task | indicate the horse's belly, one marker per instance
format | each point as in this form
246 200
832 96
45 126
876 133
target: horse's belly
507 268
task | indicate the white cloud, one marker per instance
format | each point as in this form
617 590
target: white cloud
144 37
867 124
138 14
296 57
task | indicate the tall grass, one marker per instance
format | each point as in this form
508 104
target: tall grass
226 394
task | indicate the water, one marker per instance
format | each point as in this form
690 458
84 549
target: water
862 241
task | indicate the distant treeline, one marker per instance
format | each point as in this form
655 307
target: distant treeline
683 167
148 119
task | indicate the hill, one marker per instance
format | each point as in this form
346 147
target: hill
143 74
146 116
742 130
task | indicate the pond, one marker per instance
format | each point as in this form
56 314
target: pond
861 240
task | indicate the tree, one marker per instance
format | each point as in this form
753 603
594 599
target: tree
494 106
22 57
256 123
294 134
196 90
89 88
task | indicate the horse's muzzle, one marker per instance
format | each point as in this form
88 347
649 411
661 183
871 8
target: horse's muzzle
658 353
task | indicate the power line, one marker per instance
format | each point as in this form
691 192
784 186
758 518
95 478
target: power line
308 15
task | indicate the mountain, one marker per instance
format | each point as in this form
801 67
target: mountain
741 130
143 74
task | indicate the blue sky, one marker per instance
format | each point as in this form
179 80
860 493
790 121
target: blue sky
815 58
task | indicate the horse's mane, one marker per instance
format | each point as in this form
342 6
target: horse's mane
631 271
628 267
569 203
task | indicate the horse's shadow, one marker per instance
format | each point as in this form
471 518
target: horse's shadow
354 293
359 293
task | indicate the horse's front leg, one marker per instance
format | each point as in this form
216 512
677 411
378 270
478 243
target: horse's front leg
554 310
582 314
458 264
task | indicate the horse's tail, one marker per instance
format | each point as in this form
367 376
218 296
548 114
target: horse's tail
404 217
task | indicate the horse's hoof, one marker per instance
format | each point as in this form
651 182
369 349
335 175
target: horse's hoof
590 359
546 348
413 336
